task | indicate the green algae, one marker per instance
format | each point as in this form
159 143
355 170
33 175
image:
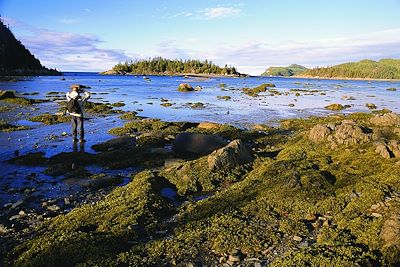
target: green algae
7 127
96 231
224 97
256 209
259 89
50 119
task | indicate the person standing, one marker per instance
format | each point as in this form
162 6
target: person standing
76 99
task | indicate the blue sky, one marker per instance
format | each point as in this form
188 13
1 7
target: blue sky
88 35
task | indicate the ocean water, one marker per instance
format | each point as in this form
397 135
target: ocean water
145 96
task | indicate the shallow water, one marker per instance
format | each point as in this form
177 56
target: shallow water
145 96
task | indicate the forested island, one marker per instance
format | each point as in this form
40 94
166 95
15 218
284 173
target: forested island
364 69
288 71
163 66
15 58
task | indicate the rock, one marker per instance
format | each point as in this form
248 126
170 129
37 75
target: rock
4 229
232 258
297 238
30 159
67 201
347 133
198 88
185 87
193 144
311 217
17 204
390 231
79 86
319 133
53 208
387 119
168 163
383 150
394 148
21 213
6 94
116 143
234 154
376 215
336 107
208 125
370 106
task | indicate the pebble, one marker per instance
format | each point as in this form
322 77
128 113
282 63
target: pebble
376 215
233 259
297 238
53 208
22 213
67 201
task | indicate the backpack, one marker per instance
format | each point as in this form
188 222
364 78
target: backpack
73 106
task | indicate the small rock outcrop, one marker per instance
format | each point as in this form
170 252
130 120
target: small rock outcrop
234 154
185 87
389 149
387 119
345 133
337 107
6 94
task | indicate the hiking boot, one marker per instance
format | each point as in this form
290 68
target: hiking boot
74 139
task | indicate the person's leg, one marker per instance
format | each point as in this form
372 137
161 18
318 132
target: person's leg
81 130
74 127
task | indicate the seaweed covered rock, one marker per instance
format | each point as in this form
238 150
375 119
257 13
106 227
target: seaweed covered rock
95 231
389 149
6 94
336 107
185 87
194 144
390 234
387 119
344 133
234 154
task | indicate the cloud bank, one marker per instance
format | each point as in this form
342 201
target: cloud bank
255 57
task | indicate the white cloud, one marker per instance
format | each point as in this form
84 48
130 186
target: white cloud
255 57
220 12
68 51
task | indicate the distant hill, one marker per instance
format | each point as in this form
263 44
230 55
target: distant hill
291 70
15 59
364 69
162 66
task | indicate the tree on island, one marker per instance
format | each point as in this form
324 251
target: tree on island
159 65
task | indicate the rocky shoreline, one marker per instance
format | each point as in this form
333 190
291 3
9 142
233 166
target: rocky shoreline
315 191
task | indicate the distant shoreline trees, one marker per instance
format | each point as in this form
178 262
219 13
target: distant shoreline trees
368 69
162 66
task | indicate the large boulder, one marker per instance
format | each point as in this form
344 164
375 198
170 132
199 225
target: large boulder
6 94
185 87
116 143
194 144
319 133
387 119
345 133
234 154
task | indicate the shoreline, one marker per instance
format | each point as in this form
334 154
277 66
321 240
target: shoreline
195 75
343 78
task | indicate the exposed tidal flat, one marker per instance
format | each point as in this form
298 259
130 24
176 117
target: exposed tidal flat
250 171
